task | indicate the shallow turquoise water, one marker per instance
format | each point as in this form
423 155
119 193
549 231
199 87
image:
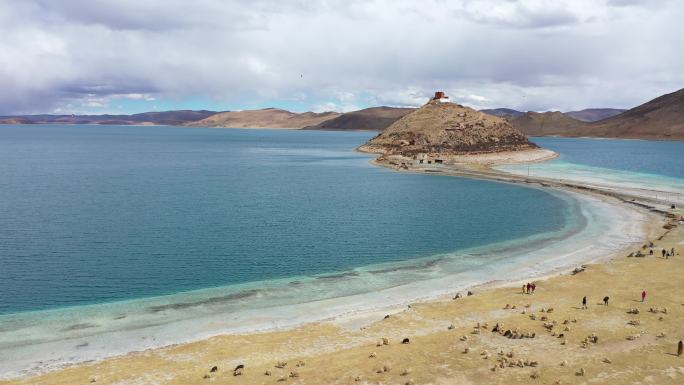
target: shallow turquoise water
94 214
636 156
656 166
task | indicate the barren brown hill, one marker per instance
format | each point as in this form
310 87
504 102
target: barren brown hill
265 118
15 120
374 118
547 123
171 118
594 114
661 118
447 129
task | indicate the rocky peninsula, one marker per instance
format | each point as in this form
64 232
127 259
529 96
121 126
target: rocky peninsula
442 132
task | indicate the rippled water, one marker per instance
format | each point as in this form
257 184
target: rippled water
93 214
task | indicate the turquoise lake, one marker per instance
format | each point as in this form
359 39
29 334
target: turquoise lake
95 214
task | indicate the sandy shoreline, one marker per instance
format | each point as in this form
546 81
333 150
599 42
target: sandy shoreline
352 329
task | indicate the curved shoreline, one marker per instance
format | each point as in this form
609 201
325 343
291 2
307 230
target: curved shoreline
353 312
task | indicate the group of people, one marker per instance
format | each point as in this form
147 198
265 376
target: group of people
667 254
606 299
664 252
529 288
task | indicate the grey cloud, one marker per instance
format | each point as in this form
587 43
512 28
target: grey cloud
523 54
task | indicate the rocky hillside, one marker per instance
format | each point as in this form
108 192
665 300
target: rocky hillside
375 118
447 129
265 118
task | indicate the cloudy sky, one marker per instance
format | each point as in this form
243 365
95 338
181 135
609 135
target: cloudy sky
126 56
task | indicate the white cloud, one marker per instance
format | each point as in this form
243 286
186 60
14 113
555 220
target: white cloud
135 96
527 54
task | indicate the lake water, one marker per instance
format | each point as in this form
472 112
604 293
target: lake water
129 212
657 166
116 238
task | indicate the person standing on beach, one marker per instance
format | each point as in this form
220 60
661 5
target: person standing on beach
664 253
643 296
524 286
605 300
534 287
529 287
584 302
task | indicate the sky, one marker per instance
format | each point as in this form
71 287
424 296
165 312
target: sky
129 56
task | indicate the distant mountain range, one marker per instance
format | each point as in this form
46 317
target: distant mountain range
171 118
265 118
505 113
374 118
594 114
660 118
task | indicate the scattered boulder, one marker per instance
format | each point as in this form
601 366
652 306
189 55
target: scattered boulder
607 360
213 369
280 364
385 341
267 373
581 372
372 355
405 341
